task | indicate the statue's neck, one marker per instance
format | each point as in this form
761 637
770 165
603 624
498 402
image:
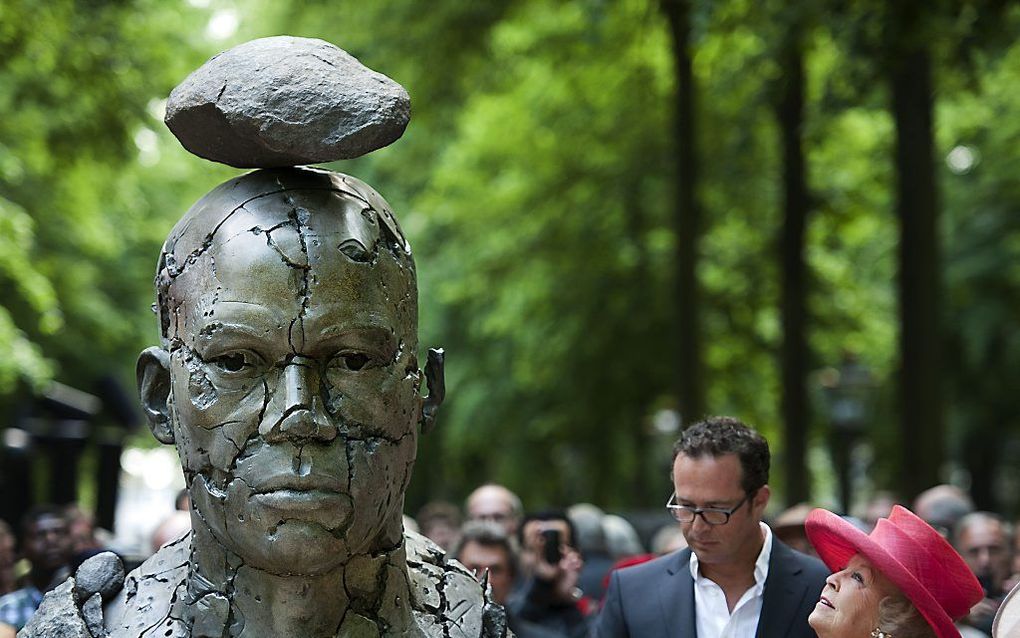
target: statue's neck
366 592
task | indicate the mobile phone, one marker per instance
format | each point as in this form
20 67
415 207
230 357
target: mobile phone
552 553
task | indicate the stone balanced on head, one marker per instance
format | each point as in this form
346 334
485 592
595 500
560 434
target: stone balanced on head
287 377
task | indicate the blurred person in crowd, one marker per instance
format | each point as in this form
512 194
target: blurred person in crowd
86 539
591 541
46 543
985 542
495 503
789 528
7 559
624 546
735 579
486 550
440 522
621 537
879 506
175 525
550 596
668 539
942 507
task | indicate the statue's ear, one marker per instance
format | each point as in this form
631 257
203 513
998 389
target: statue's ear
153 373
435 380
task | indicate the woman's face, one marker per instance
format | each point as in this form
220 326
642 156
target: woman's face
848 606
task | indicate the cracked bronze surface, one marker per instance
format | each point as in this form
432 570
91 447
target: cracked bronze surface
288 380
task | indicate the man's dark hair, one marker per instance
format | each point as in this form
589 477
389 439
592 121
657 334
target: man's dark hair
487 534
720 435
549 515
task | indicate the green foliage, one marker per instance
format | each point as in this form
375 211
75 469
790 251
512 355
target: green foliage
76 85
546 188
535 183
982 273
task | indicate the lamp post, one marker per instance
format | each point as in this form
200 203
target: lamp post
847 390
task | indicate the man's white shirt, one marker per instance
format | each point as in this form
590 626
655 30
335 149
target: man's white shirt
714 619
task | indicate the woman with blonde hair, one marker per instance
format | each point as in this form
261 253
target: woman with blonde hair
901 581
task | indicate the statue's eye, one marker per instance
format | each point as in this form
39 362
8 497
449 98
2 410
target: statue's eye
353 360
234 362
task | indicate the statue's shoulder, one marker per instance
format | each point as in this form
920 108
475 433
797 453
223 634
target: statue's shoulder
144 605
446 598
99 600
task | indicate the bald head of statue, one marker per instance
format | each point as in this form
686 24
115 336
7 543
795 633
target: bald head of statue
287 375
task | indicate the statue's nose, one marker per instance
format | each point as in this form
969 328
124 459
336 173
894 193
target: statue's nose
296 411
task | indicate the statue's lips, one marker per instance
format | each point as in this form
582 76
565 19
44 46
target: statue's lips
288 492
290 482
301 500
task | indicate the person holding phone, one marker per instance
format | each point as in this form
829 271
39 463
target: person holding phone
549 595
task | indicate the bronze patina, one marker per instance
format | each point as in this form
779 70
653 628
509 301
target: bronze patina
287 377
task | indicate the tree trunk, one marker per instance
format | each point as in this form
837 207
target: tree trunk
794 352
687 217
920 388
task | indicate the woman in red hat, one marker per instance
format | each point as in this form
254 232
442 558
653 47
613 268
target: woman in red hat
901 581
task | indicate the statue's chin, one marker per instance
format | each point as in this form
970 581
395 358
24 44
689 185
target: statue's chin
280 533
293 548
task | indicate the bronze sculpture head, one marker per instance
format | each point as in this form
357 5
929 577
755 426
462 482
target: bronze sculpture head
288 375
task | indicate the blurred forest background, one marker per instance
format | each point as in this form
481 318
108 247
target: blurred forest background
626 214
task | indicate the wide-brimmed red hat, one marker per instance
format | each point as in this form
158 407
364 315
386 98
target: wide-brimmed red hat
908 552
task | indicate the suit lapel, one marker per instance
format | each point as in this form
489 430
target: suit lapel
676 598
783 593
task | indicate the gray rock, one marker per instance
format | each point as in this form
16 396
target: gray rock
92 612
102 574
286 101
58 616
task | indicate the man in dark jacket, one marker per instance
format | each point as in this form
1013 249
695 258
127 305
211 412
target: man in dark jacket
735 579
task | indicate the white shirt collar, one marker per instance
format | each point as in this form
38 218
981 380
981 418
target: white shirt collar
761 565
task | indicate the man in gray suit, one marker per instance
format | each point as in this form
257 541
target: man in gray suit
735 580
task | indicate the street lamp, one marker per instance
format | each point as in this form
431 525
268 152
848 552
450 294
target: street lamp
847 389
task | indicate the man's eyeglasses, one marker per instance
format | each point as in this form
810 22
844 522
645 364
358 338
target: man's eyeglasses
711 515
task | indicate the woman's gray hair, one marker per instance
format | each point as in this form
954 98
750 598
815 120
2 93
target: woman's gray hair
898 618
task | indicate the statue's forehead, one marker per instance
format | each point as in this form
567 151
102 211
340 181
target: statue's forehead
304 219
288 271
320 202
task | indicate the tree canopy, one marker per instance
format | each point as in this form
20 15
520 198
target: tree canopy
536 184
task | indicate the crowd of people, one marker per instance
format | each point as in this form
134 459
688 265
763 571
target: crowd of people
720 568
54 541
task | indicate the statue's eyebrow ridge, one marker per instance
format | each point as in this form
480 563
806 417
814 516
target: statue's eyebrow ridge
334 330
230 327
